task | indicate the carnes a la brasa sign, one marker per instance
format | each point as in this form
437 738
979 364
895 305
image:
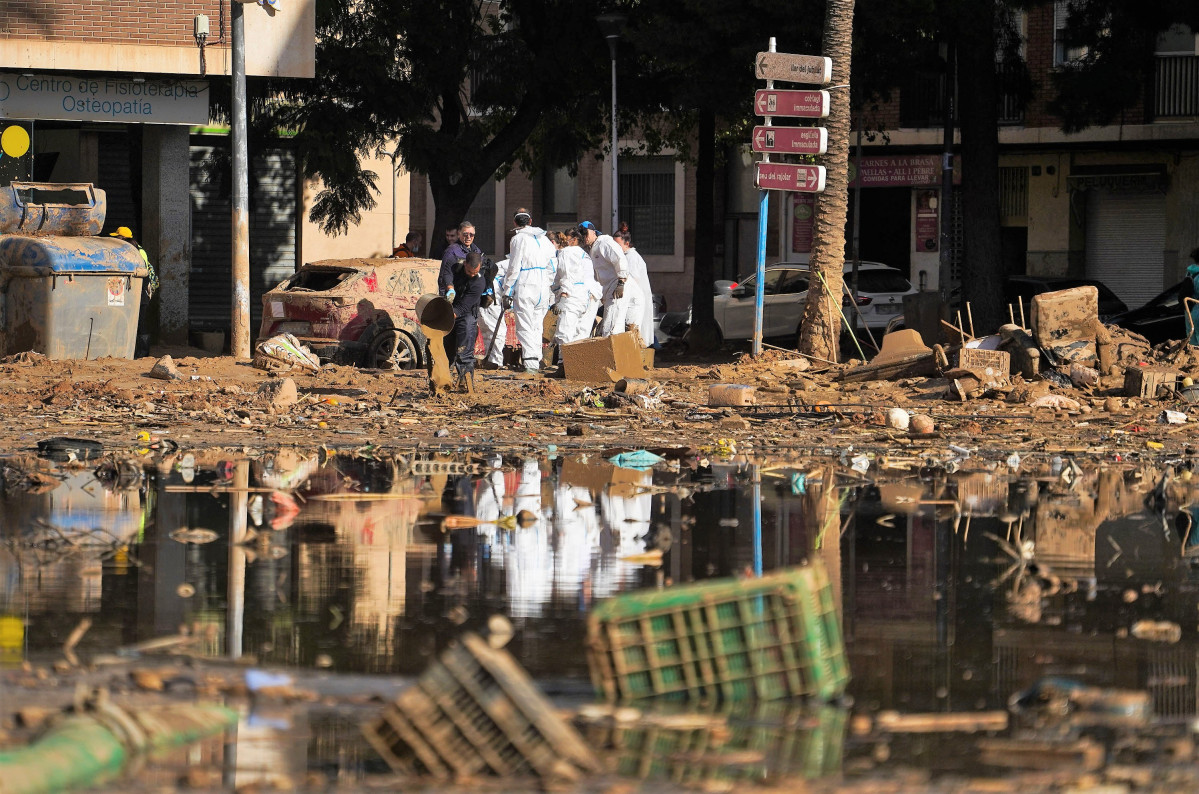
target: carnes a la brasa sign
901 171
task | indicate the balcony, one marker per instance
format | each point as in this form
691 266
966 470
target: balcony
1176 87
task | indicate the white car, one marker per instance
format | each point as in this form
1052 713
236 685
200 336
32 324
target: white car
880 298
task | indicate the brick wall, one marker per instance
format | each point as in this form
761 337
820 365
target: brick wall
165 22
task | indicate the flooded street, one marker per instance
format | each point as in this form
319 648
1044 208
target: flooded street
957 592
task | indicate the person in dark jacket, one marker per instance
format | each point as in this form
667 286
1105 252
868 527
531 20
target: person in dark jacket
466 291
455 253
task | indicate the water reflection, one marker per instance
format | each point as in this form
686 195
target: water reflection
956 590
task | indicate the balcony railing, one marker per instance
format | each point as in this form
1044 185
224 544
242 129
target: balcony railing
1176 87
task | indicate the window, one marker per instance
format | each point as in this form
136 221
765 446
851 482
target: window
1064 51
646 201
1178 40
793 282
881 281
561 195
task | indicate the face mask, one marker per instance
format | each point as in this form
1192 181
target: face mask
416 249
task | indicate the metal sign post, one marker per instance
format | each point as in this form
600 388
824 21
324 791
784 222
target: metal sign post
805 178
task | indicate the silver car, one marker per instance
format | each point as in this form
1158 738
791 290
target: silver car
880 298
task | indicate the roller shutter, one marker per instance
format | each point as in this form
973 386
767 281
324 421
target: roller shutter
272 236
1126 238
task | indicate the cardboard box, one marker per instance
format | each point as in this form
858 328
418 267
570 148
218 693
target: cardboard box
604 359
981 360
1145 381
731 394
1064 323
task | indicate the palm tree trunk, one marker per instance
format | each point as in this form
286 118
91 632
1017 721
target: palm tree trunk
821 326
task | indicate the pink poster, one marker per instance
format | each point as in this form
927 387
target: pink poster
928 227
803 208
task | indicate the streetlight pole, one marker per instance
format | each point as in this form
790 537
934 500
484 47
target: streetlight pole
612 25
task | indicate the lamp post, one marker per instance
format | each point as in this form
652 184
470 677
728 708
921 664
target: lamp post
612 25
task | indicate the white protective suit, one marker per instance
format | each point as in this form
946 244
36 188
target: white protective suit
492 316
532 264
611 266
578 295
639 272
527 554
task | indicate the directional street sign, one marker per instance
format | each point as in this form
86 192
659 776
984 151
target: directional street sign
795 104
783 176
811 69
790 140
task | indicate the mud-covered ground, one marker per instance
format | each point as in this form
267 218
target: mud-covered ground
218 401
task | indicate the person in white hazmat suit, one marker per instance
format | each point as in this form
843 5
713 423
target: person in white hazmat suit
532 264
527 556
489 318
622 295
578 293
639 272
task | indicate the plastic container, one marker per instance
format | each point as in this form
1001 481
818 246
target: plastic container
769 638
69 297
475 711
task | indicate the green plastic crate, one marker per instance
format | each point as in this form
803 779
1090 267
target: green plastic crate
774 637
760 742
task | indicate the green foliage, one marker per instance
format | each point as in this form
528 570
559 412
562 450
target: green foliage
467 89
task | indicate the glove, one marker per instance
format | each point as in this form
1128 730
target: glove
449 294
507 302
487 300
618 293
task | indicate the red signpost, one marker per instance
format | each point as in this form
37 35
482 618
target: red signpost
795 104
790 140
785 176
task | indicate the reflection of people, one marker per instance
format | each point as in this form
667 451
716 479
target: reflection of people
410 247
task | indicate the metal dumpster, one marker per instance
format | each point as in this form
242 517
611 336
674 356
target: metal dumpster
64 293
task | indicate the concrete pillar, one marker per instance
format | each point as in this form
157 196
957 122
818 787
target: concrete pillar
166 224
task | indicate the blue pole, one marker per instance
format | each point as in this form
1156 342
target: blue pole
760 293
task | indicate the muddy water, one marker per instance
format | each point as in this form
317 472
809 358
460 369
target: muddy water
956 591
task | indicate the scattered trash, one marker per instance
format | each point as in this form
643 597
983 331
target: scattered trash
1171 418
731 394
66 450
1156 631
637 459
165 369
1083 376
286 350
475 711
774 637
921 425
898 419
1056 402
1149 382
279 394
1056 699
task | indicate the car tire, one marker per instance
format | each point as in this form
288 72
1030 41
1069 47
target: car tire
391 350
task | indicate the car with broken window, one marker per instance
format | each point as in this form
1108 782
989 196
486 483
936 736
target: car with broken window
354 311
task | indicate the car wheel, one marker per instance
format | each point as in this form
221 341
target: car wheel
392 349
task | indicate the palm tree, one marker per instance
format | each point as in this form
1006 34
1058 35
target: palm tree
821 325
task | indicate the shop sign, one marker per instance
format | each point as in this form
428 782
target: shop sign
913 170
103 98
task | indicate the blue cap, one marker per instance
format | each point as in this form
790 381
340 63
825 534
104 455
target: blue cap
588 225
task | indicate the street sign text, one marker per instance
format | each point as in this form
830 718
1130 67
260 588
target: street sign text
790 140
783 176
811 69
795 104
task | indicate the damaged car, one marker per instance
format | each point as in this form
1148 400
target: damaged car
354 311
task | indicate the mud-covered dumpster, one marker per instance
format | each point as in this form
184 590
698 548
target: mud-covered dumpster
63 292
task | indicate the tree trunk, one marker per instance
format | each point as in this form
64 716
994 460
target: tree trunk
983 270
703 335
821 327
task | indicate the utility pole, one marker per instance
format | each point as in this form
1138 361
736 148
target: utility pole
239 326
945 264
